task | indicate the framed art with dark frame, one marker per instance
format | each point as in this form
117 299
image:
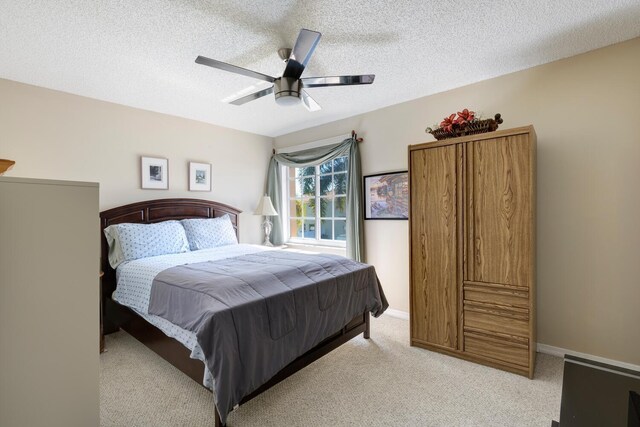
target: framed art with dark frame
154 173
386 195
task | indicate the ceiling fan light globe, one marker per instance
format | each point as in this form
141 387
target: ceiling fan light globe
287 91
287 100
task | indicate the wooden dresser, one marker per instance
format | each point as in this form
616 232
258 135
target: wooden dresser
49 264
472 248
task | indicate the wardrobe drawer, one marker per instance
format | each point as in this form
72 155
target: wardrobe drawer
497 349
486 317
496 294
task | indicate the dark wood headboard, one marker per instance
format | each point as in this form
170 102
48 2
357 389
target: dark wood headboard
151 211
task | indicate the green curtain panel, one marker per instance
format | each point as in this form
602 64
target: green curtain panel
314 157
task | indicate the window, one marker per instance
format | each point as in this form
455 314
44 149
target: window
317 203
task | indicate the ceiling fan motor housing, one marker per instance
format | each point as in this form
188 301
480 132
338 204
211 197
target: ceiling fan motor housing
287 90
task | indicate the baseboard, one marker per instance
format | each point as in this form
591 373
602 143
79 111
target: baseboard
560 352
543 348
399 314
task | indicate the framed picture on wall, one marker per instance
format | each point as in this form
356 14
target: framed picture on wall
386 196
155 173
199 176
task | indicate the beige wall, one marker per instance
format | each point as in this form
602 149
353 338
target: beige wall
585 111
56 135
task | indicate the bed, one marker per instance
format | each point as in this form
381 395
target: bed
175 344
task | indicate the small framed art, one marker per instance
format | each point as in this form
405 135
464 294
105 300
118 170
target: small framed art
386 196
199 176
155 173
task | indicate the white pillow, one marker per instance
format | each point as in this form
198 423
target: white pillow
210 232
133 241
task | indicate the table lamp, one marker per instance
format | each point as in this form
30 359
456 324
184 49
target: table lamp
266 209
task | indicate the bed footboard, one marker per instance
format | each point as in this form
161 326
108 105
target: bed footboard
176 354
359 325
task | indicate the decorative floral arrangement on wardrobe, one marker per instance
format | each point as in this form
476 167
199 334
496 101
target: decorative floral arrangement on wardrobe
465 122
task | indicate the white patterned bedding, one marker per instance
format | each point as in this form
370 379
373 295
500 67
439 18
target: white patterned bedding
134 280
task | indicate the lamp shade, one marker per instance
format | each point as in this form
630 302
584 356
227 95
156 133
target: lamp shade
265 207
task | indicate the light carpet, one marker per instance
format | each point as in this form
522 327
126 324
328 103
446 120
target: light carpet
377 382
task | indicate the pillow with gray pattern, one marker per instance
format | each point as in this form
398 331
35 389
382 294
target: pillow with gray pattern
209 232
133 241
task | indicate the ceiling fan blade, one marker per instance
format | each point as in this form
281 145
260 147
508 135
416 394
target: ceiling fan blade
301 53
309 102
232 68
365 79
252 96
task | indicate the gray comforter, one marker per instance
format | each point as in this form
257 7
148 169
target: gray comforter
254 314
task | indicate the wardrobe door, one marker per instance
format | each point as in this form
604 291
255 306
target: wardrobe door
434 290
500 209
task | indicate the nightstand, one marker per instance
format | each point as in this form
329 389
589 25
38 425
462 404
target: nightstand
101 332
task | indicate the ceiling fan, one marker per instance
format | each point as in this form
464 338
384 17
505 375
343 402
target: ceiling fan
289 89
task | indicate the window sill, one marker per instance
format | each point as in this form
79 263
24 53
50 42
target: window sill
336 244
336 250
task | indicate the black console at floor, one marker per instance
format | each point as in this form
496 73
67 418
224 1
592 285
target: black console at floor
634 409
596 394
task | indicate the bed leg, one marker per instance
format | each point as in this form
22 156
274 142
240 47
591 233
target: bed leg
218 422
367 326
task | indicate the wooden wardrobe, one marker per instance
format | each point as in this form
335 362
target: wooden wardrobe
472 248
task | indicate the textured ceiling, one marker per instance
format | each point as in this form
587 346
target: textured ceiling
141 53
